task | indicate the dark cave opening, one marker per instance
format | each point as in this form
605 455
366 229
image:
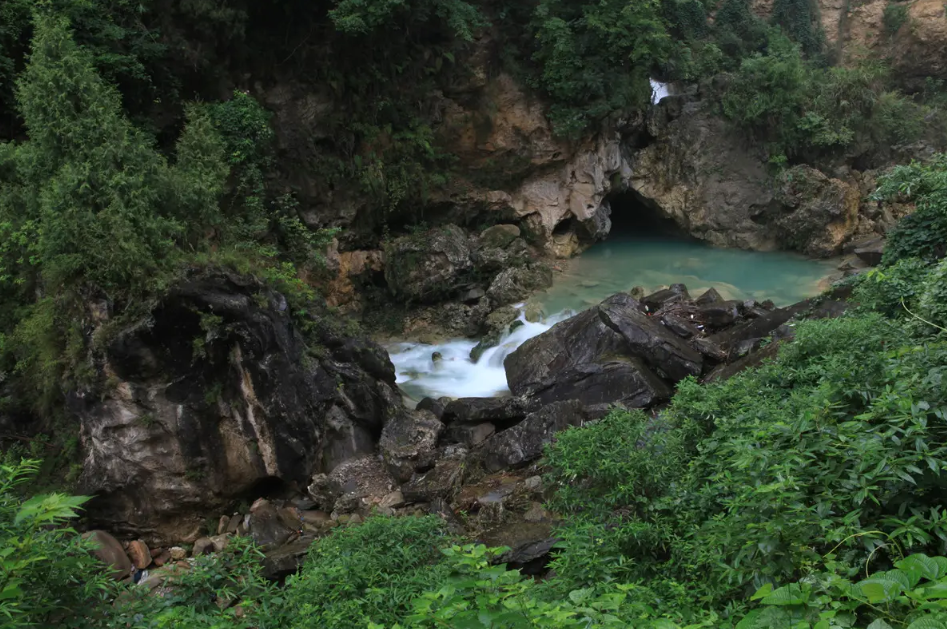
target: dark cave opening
634 216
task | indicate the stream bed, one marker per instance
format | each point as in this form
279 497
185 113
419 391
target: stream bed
616 265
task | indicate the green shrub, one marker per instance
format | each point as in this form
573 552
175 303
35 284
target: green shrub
223 589
369 573
909 595
625 460
48 576
932 305
895 16
890 289
922 234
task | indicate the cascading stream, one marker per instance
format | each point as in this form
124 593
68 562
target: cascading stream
613 266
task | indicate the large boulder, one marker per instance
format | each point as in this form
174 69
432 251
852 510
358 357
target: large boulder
218 395
428 266
109 551
409 442
517 283
820 213
525 441
647 339
580 340
624 381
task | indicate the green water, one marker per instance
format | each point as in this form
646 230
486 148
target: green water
622 263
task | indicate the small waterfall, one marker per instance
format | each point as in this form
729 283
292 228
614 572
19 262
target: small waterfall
659 91
455 375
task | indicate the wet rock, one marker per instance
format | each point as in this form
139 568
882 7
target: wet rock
727 371
475 410
219 542
223 524
323 491
203 546
437 357
672 295
870 252
711 350
285 560
473 295
516 284
177 553
580 340
709 297
435 407
429 266
409 442
469 435
525 441
680 326
499 236
647 339
266 526
719 315
139 553
440 482
290 517
162 558
347 504
110 552
529 543
314 518
392 501
367 479
164 577
624 381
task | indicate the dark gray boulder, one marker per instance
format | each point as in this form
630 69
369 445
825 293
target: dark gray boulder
647 339
218 395
475 410
525 442
624 381
409 443
581 340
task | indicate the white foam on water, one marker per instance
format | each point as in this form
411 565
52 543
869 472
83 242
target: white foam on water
659 91
455 375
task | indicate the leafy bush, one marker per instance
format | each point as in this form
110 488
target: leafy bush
369 573
923 234
224 589
596 59
895 16
891 289
786 462
48 576
910 595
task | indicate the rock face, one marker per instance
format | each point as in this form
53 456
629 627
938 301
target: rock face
822 212
713 181
217 396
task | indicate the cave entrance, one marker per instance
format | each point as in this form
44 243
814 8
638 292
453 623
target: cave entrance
635 217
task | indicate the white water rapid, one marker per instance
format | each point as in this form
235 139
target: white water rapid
455 375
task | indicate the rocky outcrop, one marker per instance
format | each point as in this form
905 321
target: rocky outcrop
217 396
714 182
819 213
428 266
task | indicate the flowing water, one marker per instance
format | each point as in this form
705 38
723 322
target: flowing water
607 268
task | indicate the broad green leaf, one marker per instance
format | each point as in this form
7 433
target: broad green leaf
879 624
792 594
928 622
